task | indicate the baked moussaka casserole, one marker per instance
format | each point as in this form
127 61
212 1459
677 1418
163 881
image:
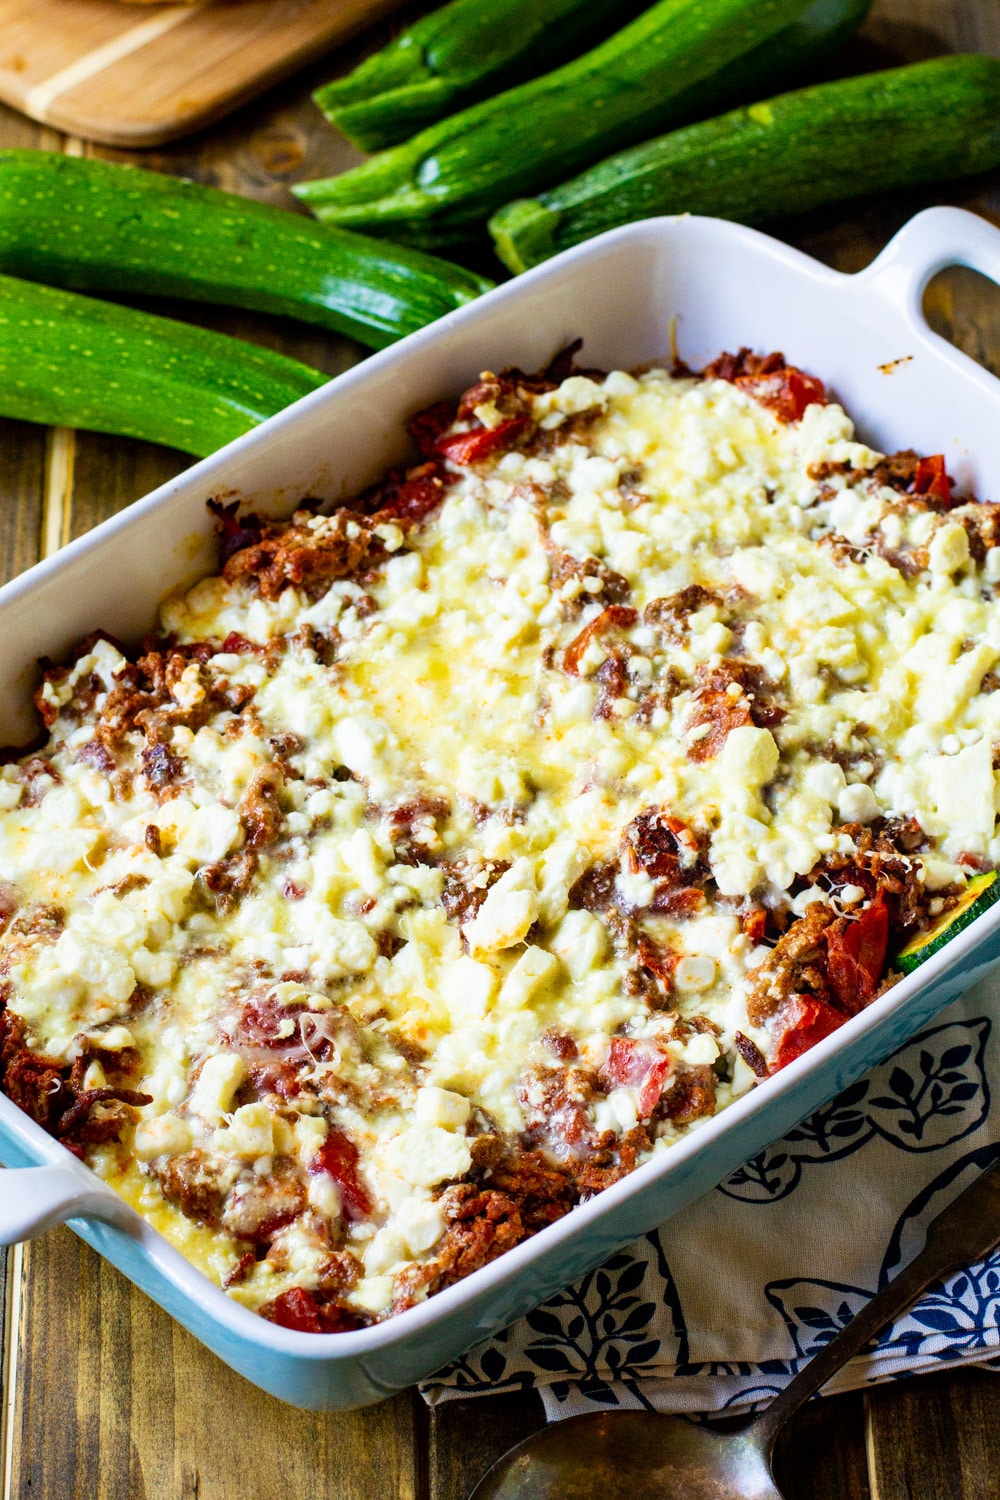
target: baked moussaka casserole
443 858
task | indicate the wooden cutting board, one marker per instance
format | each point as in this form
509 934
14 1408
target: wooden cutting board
138 76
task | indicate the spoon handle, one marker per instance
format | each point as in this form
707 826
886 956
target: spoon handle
964 1231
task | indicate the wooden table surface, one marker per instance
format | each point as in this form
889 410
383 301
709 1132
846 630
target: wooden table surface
104 1397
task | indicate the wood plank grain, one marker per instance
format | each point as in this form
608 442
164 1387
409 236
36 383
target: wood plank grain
109 473
936 1438
32 53
467 1437
127 1406
821 1453
22 468
964 308
923 28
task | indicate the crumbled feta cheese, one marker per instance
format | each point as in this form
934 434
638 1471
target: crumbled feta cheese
695 972
533 971
949 548
220 1077
373 852
249 1134
437 1106
581 941
857 803
510 907
425 1155
163 1135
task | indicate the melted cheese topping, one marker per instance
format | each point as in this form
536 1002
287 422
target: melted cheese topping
449 780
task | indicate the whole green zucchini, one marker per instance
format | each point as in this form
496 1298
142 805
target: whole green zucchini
94 226
70 361
458 54
678 61
933 120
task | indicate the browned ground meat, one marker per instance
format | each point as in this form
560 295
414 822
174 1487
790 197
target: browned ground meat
196 1182
612 1164
466 886
795 965
691 1095
672 855
607 628
292 554
51 1093
672 614
880 866
230 878
981 520
541 1187
482 1225
726 697
260 808
564 567
212 1190
257 1206
555 1103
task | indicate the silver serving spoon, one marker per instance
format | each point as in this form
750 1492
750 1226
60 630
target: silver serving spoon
645 1456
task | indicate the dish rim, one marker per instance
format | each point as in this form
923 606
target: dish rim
927 243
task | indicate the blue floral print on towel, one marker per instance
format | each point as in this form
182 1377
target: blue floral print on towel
719 1307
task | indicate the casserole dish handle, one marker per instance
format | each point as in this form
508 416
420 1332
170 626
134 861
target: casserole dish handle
931 241
34 1199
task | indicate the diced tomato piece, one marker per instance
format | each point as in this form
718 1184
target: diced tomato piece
427 426
471 447
622 616
931 479
723 714
279 1077
413 500
661 845
638 1065
305 1312
338 1156
265 1022
754 923
236 644
668 851
807 1020
652 1090
661 962
296 1309
233 530
786 392
856 949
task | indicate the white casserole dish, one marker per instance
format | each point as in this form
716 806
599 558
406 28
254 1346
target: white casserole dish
866 338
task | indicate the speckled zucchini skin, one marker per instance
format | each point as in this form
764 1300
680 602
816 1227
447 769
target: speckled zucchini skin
459 54
678 61
97 227
982 892
70 361
937 119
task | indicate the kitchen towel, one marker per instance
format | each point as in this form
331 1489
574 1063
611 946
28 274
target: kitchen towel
718 1308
